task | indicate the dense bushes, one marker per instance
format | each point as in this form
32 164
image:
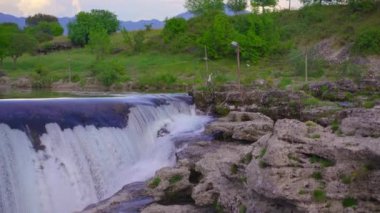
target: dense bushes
364 6
368 42
109 72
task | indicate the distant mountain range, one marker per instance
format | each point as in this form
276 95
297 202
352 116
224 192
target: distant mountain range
129 25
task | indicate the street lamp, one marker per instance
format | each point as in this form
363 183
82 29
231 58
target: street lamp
236 45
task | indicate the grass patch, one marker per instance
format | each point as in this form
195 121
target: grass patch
263 164
369 104
315 136
349 202
319 196
247 158
317 175
234 169
242 209
175 179
335 126
263 152
155 182
346 179
322 161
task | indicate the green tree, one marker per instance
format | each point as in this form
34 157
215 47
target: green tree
6 32
263 4
138 41
127 38
85 22
148 27
45 31
237 5
200 7
173 28
218 37
36 19
99 42
19 44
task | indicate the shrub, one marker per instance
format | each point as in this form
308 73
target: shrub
176 178
368 41
155 182
322 161
234 169
317 175
41 78
346 179
364 6
349 202
109 72
285 82
319 195
263 152
247 158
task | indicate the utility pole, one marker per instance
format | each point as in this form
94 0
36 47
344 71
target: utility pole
69 60
206 59
238 65
290 2
306 68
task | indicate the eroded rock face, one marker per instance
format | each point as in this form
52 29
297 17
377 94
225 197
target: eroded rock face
306 166
171 185
243 126
363 122
156 208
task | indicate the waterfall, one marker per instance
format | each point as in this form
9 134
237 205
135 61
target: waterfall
89 148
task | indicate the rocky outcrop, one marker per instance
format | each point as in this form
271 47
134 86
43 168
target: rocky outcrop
171 185
362 122
243 126
156 208
310 168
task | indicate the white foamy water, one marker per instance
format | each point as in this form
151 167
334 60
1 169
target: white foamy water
85 164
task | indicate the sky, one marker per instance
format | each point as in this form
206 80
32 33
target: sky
127 10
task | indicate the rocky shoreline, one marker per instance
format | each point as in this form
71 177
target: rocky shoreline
268 156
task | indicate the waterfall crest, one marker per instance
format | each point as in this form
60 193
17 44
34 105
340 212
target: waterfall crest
83 163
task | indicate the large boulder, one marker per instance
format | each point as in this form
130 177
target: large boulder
309 168
156 208
171 185
363 122
242 126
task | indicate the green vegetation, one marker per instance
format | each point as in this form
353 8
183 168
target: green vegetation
315 136
319 196
273 46
317 175
263 164
335 126
263 152
346 179
155 182
85 22
234 169
247 158
349 202
322 161
175 179
242 208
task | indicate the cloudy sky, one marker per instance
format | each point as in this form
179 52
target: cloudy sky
125 9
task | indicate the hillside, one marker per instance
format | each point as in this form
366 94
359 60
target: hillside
325 34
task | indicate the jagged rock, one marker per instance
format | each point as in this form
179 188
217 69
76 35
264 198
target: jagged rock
242 126
221 182
22 83
298 159
347 85
323 115
129 199
156 208
364 122
171 185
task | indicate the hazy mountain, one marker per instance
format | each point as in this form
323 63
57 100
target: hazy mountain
20 21
140 25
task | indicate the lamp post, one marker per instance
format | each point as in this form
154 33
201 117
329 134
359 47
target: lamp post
237 47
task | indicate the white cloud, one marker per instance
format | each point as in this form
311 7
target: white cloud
30 7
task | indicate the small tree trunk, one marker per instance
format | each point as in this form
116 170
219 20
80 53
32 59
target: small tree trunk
14 59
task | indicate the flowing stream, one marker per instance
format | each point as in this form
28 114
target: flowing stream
60 155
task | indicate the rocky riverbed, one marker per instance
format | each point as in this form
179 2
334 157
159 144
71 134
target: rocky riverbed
268 156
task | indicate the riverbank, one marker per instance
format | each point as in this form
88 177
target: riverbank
274 151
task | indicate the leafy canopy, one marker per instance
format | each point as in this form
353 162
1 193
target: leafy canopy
237 5
200 7
79 30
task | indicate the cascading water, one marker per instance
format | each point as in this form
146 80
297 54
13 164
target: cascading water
60 155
